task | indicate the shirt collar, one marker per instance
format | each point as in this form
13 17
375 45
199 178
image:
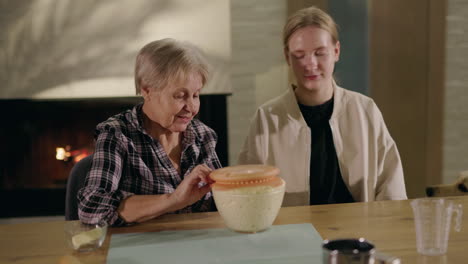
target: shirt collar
188 136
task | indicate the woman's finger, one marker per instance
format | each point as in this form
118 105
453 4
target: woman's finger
204 168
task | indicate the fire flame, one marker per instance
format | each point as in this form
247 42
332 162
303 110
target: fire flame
67 154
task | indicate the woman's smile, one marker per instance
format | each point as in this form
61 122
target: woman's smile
312 77
184 118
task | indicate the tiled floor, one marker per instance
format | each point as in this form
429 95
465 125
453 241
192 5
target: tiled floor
36 219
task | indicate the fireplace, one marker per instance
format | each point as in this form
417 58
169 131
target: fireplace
32 179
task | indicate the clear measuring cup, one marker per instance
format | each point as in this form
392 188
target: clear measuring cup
432 219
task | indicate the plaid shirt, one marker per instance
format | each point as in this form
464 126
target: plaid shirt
128 161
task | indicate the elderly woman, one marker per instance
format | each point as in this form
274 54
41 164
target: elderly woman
154 158
331 144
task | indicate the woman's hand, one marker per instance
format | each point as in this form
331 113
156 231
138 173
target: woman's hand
139 208
189 190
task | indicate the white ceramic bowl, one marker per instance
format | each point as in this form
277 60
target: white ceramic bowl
249 210
252 203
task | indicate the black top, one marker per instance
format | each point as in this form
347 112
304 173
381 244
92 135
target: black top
326 182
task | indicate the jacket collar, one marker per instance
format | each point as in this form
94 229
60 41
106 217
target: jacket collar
339 101
292 107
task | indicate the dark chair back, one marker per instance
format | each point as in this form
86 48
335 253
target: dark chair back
75 182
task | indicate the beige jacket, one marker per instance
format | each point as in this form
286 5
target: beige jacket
367 155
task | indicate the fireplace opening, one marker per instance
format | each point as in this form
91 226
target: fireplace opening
41 140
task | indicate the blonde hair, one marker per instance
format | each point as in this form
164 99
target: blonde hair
168 60
311 16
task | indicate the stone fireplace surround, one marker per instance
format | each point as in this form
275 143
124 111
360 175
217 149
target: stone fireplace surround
32 180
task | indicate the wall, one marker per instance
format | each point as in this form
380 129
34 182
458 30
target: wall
258 70
455 146
352 70
78 49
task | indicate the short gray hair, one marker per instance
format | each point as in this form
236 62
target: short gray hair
168 60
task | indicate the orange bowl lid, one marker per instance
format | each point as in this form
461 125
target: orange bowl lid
246 175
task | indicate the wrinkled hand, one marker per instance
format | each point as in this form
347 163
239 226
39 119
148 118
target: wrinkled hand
189 190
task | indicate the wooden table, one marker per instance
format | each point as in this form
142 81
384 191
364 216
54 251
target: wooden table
389 224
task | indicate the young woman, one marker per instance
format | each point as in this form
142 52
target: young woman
331 144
